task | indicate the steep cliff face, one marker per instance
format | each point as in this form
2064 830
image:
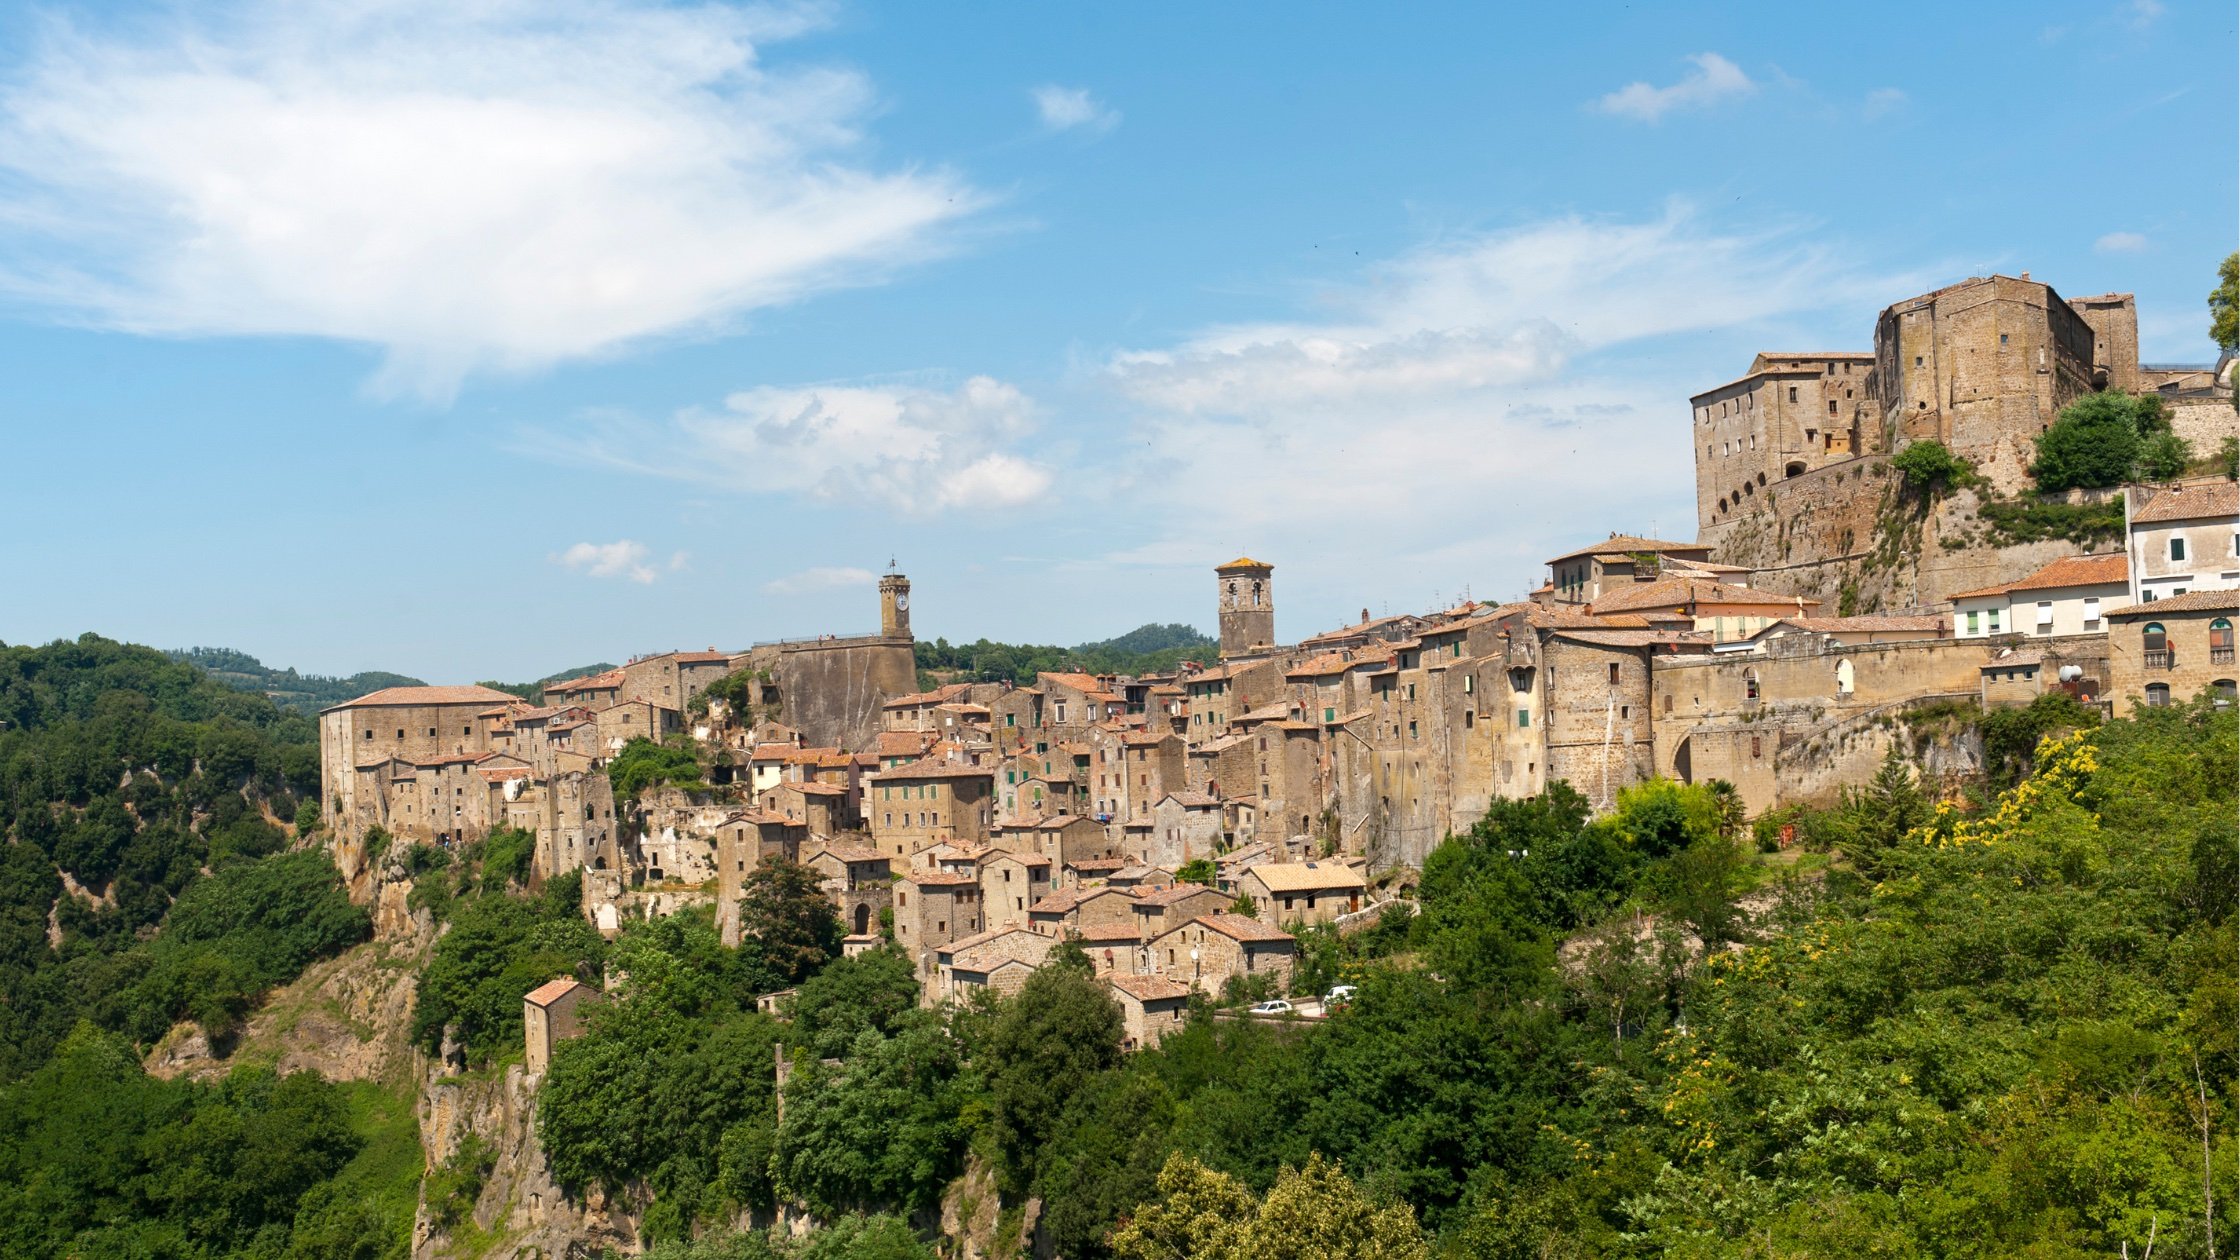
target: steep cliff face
1852 537
514 1208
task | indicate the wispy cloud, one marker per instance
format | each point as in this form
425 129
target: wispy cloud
1714 79
2120 243
621 559
467 185
911 450
822 578
1064 109
2141 13
1479 399
1884 101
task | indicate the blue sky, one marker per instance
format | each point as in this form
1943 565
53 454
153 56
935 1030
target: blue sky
483 338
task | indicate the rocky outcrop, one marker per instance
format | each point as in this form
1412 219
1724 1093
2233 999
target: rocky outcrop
348 1019
518 1210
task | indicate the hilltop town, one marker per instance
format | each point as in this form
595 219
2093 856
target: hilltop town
1833 594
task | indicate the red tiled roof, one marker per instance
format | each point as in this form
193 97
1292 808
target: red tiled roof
608 681
1625 545
553 990
389 697
2108 570
1675 591
2191 503
2191 601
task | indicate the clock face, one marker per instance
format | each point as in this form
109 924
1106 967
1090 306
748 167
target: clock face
902 603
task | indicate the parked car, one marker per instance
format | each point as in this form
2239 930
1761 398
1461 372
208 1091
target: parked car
1273 1006
1339 996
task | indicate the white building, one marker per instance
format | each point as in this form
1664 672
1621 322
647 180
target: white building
2182 538
2065 597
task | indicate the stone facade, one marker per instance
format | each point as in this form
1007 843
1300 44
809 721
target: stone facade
2171 650
1210 950
1246 591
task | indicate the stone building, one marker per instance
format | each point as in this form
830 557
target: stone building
1985 365
2182 538
1082 910
2172 649
860 880
1185 826
1150 1008
1287 893
931 909
998 960
925 803
1789 414
550 1014
2065 597
413 724
1247 595
1010 883
1210 950
1618 562
1161 910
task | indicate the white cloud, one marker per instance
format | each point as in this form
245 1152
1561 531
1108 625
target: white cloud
914 450
1883 101
1714 79
2121 243
467 185
1063 109
622 559
1468 406
2142 12
821 578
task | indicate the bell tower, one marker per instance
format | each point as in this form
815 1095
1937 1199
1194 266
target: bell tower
894 606
1248 606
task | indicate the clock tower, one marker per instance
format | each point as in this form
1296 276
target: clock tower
1248 606
894 606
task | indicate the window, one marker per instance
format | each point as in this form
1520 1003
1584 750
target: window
1613 671
1995 621
1831 406
1524 719
1469 683
1411 730
2045 616
2092 612
2177 552
1792 393
1917 360
2154 638
2158 695
1750 682
2002 339
1469 719
1974 622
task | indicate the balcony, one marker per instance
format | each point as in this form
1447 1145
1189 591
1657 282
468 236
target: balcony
2160 658
2220 656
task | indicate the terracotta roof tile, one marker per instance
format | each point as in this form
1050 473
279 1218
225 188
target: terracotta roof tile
2191 601
389 697
1149 988
553 990
2191 503
1627 544
1237 927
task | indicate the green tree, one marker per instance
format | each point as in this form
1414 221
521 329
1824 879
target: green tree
498 948
783 905
2104 439
884 1129
1930 467
2224 305
1314 1212
871 991
1058 1031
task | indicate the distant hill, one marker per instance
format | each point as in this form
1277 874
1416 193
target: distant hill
1147 649
1151 637
535 690
303 693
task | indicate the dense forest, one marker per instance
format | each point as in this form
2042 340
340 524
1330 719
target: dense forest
1147 649
298 693
148 878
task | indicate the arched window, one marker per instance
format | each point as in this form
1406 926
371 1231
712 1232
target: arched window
2158 695
1750 685
2220 641
1843 678
2225 690
2153 638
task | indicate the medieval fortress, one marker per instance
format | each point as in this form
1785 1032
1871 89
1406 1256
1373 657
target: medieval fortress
1820 610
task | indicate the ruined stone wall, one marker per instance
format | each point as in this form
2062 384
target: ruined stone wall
2204 422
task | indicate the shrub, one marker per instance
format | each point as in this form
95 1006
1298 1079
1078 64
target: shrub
1929 467
2105 439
